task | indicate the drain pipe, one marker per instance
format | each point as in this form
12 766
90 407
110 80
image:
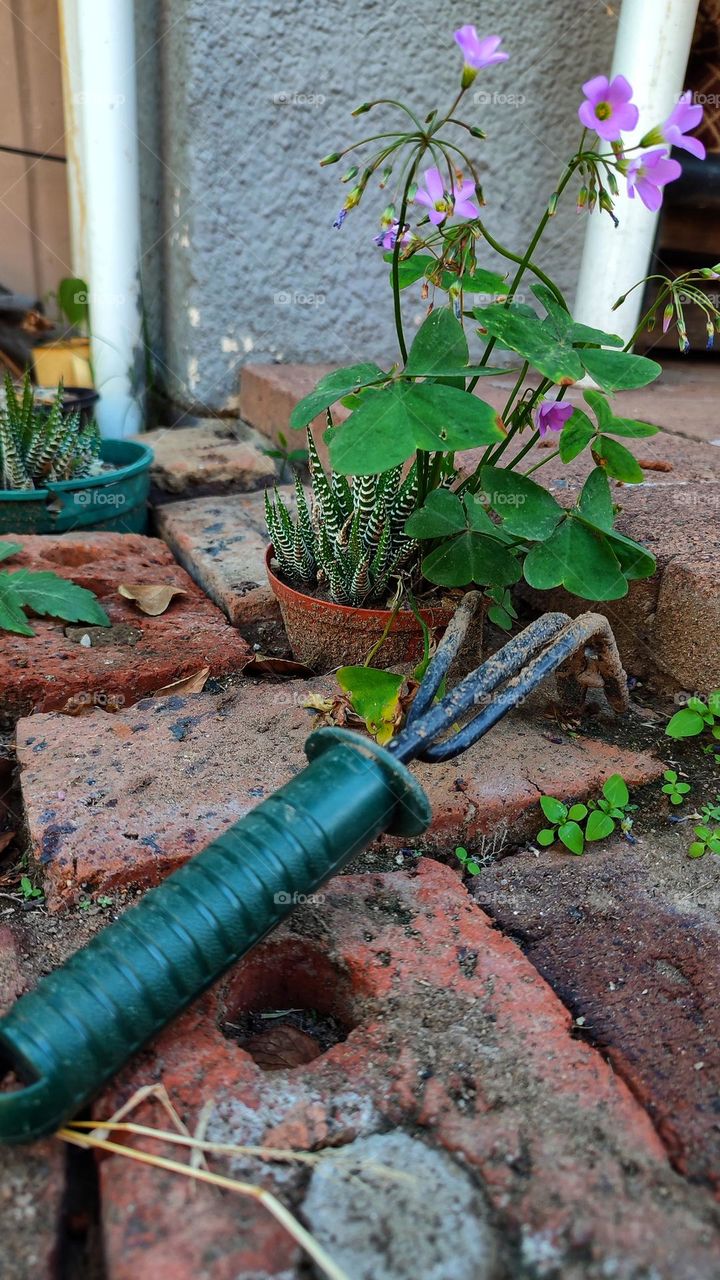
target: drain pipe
651 51
98 55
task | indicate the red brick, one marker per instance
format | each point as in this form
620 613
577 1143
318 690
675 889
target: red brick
134 795
687 624
606 932
222 543
44 672
451 1034
683 400
212 457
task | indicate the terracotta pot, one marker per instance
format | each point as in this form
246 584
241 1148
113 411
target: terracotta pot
325 635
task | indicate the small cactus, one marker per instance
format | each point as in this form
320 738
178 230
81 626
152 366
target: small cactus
37 446
349 538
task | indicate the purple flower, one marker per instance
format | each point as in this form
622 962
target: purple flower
479 53
439 203
607 107
648 174
388 236
552 416
683 117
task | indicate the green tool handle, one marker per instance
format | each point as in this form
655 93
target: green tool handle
69 1036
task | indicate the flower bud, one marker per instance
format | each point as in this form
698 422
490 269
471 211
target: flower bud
710 273
612 182
667 317
652 138
331 159
553 204
353 198
468 75
412 192
385 176
387 217
351 173
710 331
582 199
360 111
476 133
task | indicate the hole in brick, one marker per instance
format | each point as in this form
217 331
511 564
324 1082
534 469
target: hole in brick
70 556
287 1004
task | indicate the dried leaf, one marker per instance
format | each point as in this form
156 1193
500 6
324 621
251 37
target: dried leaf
6 838
151 598
189 684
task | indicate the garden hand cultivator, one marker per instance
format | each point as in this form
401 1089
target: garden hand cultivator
60 1043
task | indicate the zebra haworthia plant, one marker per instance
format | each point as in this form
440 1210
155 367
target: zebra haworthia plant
37 445
348 539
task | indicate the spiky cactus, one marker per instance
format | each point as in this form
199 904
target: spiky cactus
349 538
37 446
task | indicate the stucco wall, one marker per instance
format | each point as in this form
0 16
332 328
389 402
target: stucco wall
237 213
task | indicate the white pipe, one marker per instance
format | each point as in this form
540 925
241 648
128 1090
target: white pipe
101 122
651 51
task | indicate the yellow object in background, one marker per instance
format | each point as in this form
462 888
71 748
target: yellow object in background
68 360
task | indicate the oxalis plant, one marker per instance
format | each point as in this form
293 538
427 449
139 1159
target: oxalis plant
492 523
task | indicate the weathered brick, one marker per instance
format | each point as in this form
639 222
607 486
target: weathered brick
136 794
141 655
450 1034
621 936
687 624
215 456
222 544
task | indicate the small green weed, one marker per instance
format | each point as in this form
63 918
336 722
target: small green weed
675 790
696 718
598 816
707 842
28 890
469 864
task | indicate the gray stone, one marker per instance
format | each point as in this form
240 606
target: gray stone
430 1221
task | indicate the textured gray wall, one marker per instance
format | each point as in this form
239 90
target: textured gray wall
237 213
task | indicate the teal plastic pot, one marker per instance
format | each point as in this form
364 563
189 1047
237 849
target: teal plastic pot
116 501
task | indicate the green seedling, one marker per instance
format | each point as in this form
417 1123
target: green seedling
711 812
469 864
28 890
696 718
675 790
707 842
598 816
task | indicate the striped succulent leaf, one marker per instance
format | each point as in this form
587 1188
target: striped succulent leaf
37 446
348 539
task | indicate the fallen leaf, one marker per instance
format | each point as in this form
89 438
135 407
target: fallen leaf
263 665
375 697
6 838
189 684
152 598
655 464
